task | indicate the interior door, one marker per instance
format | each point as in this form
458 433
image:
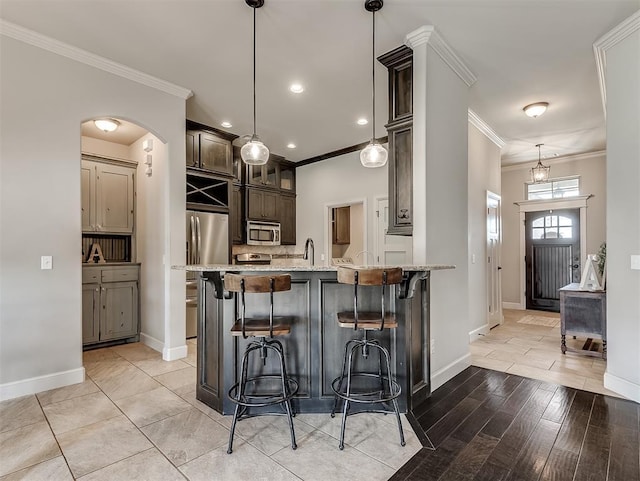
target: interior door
391 249
494 245
552 256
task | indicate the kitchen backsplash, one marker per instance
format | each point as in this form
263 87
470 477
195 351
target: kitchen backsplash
281 255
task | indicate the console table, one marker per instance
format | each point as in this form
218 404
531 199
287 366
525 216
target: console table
583 313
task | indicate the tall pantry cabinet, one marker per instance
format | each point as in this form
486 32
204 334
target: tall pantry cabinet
110 299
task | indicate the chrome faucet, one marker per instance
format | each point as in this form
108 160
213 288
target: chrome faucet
366 257
309 242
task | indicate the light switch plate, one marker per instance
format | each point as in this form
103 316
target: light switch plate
635 262
46 262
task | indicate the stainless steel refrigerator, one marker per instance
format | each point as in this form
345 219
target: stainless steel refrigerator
207 243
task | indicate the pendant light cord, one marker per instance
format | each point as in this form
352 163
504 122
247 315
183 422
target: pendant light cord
373 76
254 71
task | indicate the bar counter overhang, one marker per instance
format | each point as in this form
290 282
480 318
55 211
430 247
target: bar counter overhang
315 347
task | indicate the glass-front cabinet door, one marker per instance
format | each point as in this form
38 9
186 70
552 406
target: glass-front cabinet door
287 177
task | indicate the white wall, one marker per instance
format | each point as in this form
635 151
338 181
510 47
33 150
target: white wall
484 175
623 215
592 171
440 204
45 97
340 180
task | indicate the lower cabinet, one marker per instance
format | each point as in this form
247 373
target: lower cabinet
109 303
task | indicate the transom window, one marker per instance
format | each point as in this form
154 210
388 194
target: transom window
554 189
552 227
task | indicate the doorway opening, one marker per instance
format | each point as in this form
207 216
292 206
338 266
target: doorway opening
346 233
494 250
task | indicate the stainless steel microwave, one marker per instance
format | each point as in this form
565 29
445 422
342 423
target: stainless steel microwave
263 233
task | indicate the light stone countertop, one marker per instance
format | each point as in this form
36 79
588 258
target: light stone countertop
298 268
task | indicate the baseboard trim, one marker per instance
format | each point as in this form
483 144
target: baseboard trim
513 305
152 342
174 353
478 333
37 384
622 386
450 370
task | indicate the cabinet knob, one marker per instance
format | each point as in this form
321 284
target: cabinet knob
97 289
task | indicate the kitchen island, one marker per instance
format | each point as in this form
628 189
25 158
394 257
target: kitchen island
315 346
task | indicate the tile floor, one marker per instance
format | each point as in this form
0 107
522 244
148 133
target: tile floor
533 351
136 418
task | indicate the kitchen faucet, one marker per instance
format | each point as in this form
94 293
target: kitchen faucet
366 257
309 242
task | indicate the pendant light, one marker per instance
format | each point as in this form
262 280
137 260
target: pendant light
254 152
374 154
540 173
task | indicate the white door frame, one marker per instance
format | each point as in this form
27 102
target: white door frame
577 202
327 232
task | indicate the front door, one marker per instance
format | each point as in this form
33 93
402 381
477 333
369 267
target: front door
552 256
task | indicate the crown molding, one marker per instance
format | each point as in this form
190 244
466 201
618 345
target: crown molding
36 39
483 127
604 43
556 160
427 34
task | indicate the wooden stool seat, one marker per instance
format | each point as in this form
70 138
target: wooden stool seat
260 327
247 393
366 320
364 387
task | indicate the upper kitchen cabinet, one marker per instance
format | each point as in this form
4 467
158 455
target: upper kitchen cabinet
108 191
287 213
287 176
267 175
399 63
209 149
262 205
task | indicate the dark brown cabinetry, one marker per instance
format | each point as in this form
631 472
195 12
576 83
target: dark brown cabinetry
237 214
207 192
341 225
287 213
209 149
399 63
262 204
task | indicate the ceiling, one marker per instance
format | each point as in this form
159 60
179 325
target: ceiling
522 51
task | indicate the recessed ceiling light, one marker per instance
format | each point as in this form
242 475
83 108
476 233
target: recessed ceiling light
362 121
106 125
226 125
291 145
296 88
535 110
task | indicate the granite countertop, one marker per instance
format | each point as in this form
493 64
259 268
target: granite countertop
277 268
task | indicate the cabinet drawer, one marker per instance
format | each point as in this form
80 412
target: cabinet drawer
90 276
118 275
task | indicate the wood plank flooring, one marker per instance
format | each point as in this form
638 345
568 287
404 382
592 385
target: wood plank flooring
495 426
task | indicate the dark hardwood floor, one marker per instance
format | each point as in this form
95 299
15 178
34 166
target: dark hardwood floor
492 426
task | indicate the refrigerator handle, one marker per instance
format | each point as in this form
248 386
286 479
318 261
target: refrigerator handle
198 252
192 251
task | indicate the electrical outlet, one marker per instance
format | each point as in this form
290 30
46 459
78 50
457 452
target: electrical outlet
321 257
433 346
46 262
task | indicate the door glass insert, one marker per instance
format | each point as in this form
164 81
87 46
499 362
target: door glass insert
552 227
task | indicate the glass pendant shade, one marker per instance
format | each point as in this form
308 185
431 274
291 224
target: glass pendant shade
373 155
254 152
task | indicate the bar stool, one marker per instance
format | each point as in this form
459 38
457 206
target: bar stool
261 328
385 389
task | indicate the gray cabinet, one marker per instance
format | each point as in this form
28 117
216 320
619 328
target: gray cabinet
110 304
108 191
